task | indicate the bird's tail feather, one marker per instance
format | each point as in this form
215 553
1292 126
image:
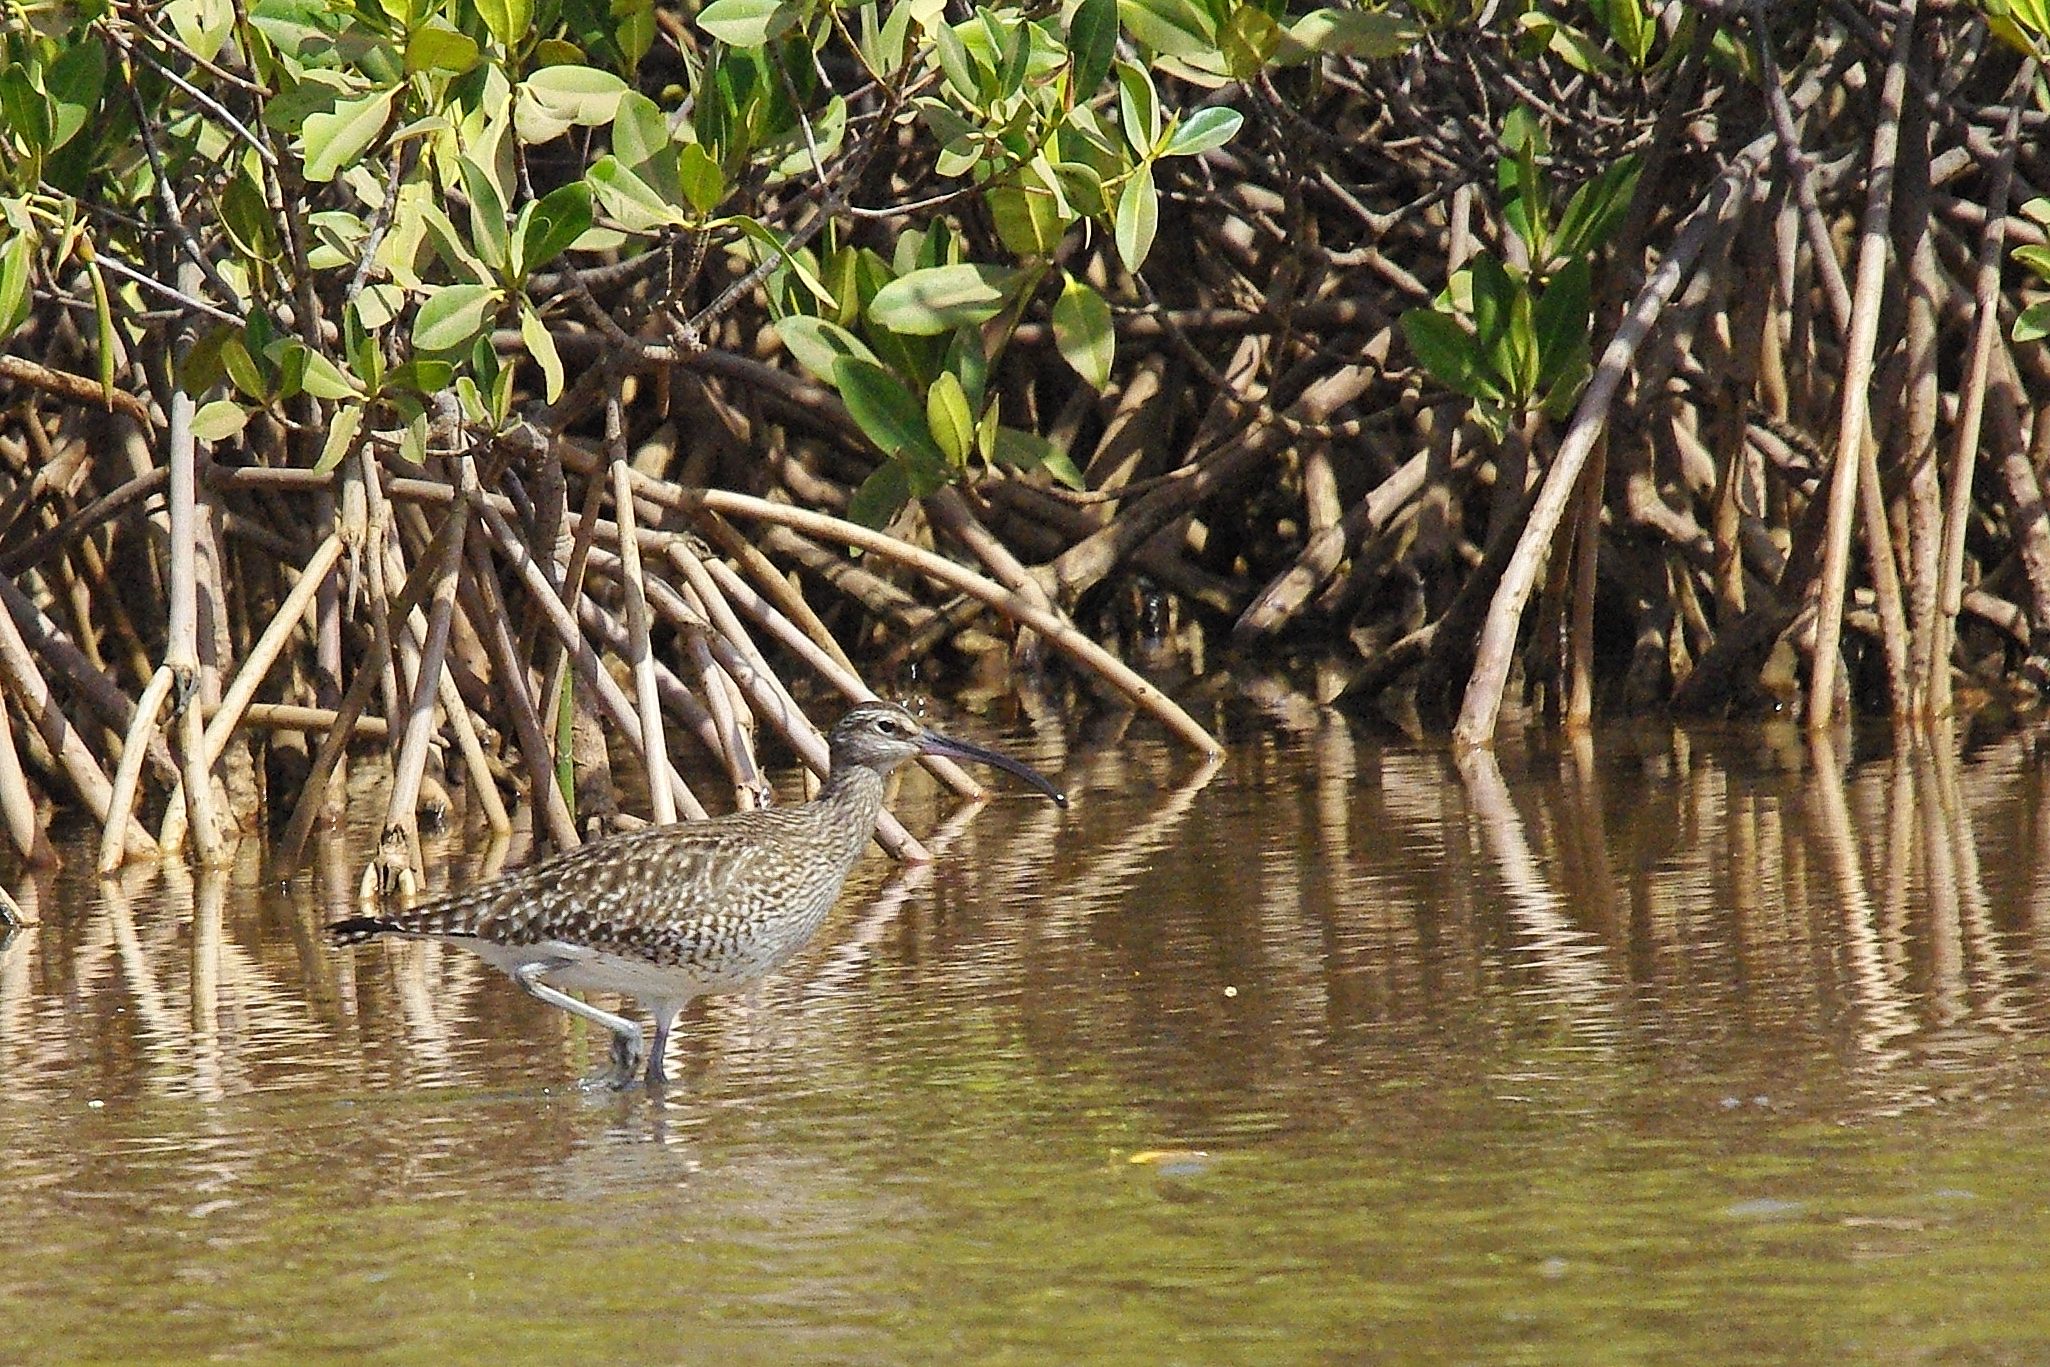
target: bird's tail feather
445 917
358 930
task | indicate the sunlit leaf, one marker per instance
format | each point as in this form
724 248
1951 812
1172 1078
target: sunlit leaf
435 46
630 200
1493 292
242 368
1138 218
1522 348
747 23
219 420
1205 129
1562 320
26 111
488 233
2035 258
555 98
592 94
508 20
379 303
967 360
338 138
1138 108
108 351
635 32
703 183
955 63
942 298
1365 34
1596 208
1082 331
541 346
16 258
1632 29
797 262
202 25
323 379
341 436
453 315
2034 323
1027 216
948 419
639 129
1082 186
1178 28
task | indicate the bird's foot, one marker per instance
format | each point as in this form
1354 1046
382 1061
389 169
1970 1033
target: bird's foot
622 1071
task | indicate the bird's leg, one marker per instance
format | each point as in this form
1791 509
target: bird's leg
665 1017
626 1036
624 1069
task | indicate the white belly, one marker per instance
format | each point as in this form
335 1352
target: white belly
590 970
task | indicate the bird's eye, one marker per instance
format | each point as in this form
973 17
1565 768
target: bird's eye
889 726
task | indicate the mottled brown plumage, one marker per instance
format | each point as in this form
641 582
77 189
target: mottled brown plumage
674 912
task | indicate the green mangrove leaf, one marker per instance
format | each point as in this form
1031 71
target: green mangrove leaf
1562 320
337 138
1367 34
323 379
747 23
948 419
74 82
341 436
1029 451
1206 128
640 130
881 496
630 200
1083 332
1445 349
939 299
1138 218
817 344
1138 108
885 410
541 346
437 46
508 20
703 183
1596 208
453 315
2034 323
1175 28
552 223
16 259
1092 43
219 420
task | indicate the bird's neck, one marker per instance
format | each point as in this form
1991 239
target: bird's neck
853 794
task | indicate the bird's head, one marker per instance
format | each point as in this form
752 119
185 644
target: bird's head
881 735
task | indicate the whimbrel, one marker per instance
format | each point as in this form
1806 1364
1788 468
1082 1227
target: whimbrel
669 913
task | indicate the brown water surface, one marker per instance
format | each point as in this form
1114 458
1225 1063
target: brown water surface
1689 1049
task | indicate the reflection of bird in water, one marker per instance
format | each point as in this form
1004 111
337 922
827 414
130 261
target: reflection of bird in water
673 912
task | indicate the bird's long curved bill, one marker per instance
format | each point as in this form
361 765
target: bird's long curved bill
933 743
